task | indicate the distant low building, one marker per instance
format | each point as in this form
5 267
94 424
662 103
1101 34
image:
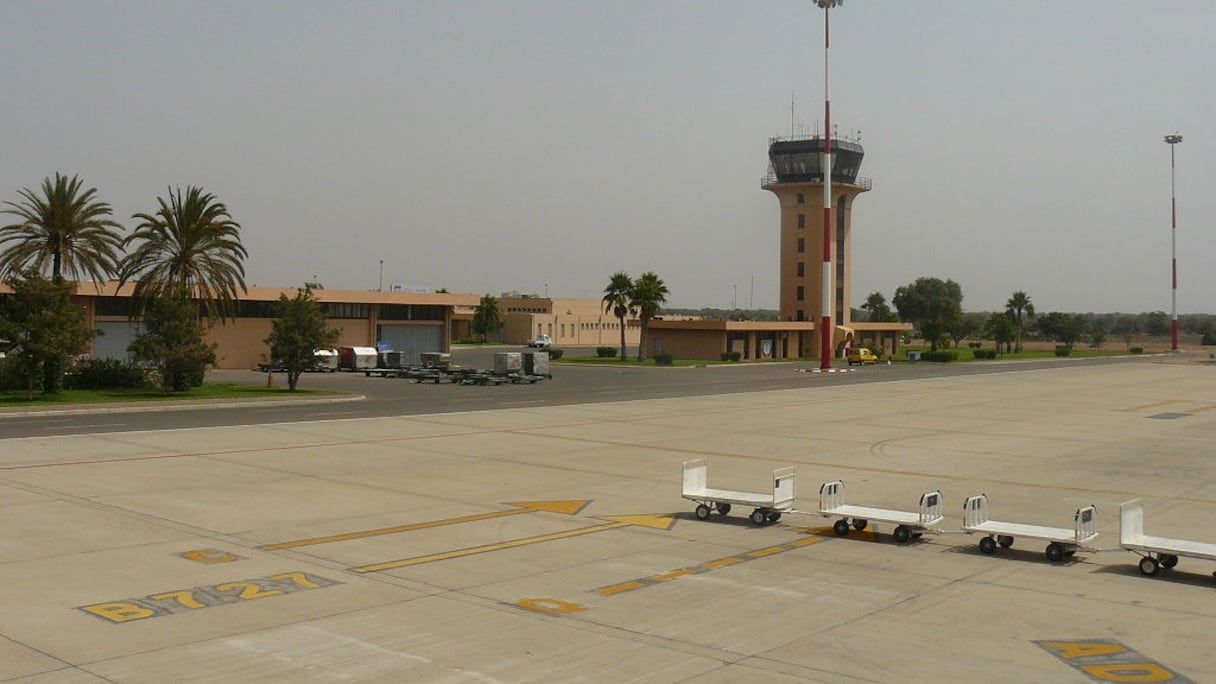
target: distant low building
412 322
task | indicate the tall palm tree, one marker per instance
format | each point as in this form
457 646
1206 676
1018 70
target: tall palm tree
190 248
617 301
1018 304
66 228
648 295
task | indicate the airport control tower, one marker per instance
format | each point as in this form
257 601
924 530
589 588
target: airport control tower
796 177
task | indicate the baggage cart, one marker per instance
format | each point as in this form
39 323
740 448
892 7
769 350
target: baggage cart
1062 542
1155 552
767 506
909 525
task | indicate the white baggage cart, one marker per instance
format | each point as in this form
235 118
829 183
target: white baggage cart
1155 552
767 506
908 525
1061 541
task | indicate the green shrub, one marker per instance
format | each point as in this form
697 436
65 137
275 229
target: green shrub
555 354
1136 350
12 377
663 359
984 353
1062 350
106 374
606 352
940 356
731 356
976 345
1209 339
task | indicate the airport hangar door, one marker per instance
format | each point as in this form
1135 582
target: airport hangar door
114 339
412 340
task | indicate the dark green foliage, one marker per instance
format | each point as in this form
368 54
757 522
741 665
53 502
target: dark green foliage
65 228
984 353
1136 350
605 352
174 342
940 355
299 329
487 318
731 356
616 300
663 359
1209 338
107 374
1063 327
1063 350
41 328
555 354
649 293
932 304
189 248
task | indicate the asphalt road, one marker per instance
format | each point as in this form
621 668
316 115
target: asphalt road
367 397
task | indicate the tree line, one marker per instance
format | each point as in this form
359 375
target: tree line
184 258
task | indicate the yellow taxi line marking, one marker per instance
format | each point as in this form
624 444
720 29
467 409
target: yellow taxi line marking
570 507
486 548
761 553
618 588
707 566
675 574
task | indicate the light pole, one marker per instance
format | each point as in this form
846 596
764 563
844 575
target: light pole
1173 140
825 320
380 285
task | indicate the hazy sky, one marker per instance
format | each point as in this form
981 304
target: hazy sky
490 146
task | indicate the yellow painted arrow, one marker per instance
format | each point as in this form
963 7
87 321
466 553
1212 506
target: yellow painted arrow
662 522
567 507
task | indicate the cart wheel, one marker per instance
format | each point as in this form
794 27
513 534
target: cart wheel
1055 552
702 512
1005 541
859 525
987 545
1148 566
774 517
840 527
1168 561
903 535
759 517
723 508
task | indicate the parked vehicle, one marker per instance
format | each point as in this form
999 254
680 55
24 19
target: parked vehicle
540 342
862 356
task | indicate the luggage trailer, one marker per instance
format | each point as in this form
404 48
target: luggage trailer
1155 552
909 525
1061 541
767 506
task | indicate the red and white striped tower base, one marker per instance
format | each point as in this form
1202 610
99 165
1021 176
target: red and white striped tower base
825 320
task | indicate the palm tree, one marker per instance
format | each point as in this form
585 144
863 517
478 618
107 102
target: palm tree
648 294
617 301
65 228
190 248
1018 304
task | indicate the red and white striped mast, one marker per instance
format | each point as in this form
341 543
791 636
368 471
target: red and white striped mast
825 321
1173 140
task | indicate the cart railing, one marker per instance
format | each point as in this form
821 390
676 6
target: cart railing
694 476
1086 522
1131 520
975 510
930 507
831 495
783 487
